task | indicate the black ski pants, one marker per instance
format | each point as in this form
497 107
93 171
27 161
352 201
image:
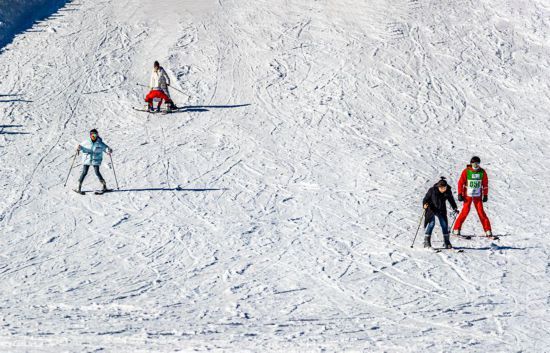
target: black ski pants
85 171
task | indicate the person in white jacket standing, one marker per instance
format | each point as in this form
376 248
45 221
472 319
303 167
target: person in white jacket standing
159 79
92 155
159 88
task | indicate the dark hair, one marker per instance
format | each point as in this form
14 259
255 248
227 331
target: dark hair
94 131
156 64
442 182
475 159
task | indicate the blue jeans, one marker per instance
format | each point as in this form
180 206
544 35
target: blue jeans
85 169
442 223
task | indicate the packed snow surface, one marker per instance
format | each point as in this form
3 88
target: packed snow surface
276 213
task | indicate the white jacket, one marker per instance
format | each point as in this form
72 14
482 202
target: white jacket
159 79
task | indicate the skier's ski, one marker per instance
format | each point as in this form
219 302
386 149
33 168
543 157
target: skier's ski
438 250
466 237
101 192
457 250
175 110
470 237
145 110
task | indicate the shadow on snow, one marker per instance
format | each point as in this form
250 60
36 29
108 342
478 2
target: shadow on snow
170 189
2 132
192 110
497 247
188 107
18 17
15 100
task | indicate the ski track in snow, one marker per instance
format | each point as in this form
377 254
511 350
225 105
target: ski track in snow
277 213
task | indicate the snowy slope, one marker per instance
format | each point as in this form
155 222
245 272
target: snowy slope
277 214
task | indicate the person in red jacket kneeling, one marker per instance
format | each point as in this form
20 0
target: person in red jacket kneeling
473 187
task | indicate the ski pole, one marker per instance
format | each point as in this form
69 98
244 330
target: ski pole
419 223
142 85
71 169
453 223
110 156
177 89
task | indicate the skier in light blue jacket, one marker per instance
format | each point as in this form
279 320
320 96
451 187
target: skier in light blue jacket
92 155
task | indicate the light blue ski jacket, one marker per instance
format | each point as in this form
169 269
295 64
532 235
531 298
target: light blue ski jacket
92 152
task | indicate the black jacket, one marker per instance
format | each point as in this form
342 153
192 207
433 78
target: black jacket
437 202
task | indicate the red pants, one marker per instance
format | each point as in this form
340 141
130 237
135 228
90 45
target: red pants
157 94
466 209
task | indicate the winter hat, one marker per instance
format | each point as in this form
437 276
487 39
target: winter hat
475 159
94 131
442 182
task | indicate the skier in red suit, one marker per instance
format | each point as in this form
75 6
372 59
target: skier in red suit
159 89
473 187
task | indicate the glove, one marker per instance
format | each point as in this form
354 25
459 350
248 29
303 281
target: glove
78 148
484 198
460 198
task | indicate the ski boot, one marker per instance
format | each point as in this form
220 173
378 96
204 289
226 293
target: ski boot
489 234
170 107
103 190
447 241
457 234
427 241
79 189
150 108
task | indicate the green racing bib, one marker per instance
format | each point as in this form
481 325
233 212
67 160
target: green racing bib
473 183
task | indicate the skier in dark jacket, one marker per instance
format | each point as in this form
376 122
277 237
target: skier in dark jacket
435 204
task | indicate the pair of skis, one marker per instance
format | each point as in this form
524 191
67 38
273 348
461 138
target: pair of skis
97 192
437 250
163 112
466 237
